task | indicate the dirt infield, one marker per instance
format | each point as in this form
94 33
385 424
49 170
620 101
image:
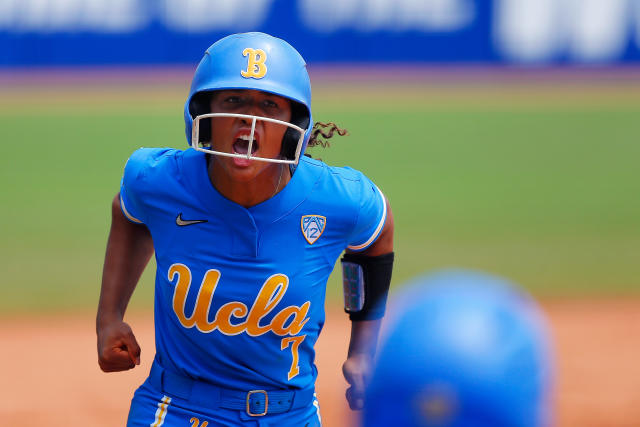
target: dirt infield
50 376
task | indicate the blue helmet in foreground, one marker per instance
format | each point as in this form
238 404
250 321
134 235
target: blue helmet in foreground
255 61
462 349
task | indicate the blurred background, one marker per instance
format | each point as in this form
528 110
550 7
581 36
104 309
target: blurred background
505 134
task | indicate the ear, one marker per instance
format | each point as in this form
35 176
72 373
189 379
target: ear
201 104
299 117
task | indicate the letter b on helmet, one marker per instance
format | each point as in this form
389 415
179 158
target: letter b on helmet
254 61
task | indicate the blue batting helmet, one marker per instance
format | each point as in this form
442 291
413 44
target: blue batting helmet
253 61
462 349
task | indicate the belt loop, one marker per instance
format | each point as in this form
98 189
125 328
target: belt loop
161 378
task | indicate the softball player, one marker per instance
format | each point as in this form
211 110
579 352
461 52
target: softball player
246 231
463 349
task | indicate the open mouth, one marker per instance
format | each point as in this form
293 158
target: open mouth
241 145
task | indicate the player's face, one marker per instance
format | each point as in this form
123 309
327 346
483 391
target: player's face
231 134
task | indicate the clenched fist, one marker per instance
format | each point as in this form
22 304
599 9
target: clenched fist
356 370
118 349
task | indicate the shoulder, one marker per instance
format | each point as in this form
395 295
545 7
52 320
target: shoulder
343 186
152 169
145 161
343 174
144 157
152 179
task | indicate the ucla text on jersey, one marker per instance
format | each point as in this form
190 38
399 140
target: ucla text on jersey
240 291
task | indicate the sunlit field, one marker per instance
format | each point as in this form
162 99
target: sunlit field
534 180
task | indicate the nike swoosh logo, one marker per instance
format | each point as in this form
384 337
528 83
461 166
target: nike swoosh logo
181 222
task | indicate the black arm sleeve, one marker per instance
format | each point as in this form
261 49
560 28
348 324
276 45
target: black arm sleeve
366 280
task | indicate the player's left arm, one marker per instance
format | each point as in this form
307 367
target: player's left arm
364 333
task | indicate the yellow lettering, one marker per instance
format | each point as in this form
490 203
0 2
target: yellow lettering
256 67
289 321
195 422
180 292
295 343
203 301
298 313
223 318
269 296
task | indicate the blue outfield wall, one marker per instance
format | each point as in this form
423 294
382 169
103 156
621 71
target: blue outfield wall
104 32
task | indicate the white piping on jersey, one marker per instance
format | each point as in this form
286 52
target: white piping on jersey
317 405
126 212
161 412
375 234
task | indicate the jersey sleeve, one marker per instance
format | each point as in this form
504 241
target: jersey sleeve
130 187
372 215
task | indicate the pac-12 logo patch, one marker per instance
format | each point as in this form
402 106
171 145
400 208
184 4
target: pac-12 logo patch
256 67
312 227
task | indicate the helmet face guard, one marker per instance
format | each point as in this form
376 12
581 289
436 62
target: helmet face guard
208 148
254 61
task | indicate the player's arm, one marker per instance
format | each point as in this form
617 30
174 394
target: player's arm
364 333
129 249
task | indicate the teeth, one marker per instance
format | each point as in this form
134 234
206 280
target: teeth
246 138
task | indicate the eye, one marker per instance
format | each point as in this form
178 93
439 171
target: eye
232 99
268 103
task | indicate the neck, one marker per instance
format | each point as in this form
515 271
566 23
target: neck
251 192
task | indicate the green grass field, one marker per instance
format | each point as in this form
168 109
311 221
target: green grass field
538 183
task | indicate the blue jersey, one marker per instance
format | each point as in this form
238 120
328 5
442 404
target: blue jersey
239 293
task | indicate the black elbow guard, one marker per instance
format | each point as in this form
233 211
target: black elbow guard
366 281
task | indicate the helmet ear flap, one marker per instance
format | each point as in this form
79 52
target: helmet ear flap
201 104
300 118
